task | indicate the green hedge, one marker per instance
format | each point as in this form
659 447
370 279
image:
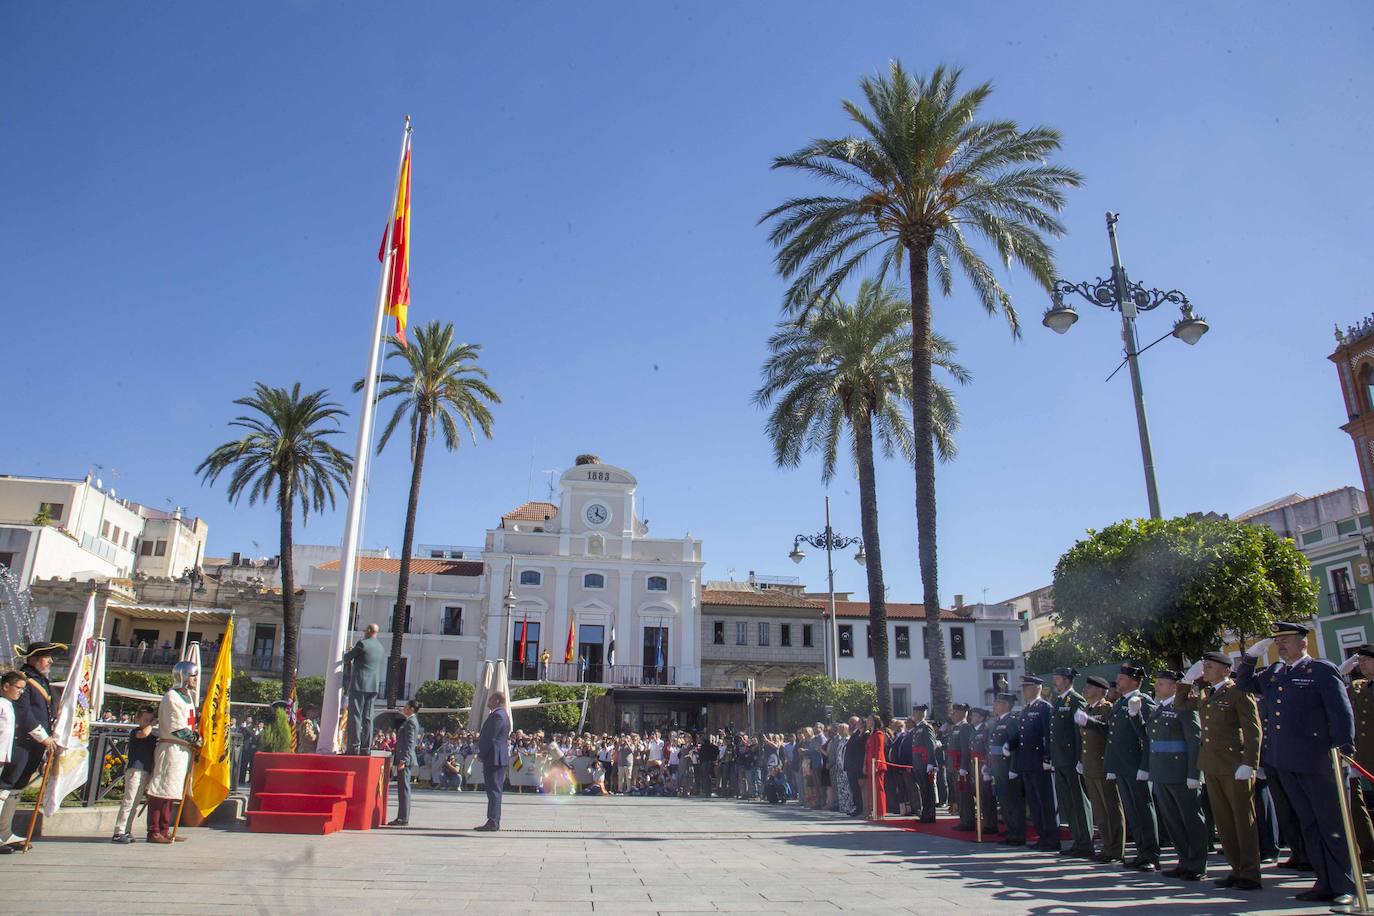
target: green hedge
444 695
805 697
550 719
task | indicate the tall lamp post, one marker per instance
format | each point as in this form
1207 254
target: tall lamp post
508 603
829 541
1128 298
195 580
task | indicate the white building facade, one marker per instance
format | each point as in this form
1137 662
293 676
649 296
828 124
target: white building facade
584 566
982 650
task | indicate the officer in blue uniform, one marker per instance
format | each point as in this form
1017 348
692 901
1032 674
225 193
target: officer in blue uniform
1307 713
1034 765
1007 783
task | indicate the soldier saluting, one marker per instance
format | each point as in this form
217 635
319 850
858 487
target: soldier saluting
1128 762
1092 721
1066 754
1175 736
1228 757
1309 715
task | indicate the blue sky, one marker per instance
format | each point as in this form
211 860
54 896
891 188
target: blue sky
193 197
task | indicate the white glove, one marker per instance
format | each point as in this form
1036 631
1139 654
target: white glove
1133 707
1193 673
1078 768
1244 772
1195 783
1259 649
1349 664
1012 775
1259 773
963 772
932 768
987 774
1049 766
1006 750
1080 717
1111 777
1142 775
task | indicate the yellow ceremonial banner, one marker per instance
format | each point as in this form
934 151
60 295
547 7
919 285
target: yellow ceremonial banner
210 778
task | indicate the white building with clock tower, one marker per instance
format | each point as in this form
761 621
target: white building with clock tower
586 566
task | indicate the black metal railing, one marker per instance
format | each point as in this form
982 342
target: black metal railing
1344 600
109 747
160 659
583 673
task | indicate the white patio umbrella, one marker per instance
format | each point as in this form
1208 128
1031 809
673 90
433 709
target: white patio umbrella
502 683
481 690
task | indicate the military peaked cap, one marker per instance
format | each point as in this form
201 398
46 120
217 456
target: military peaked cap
1288 628
1096 681
1134 671
1221 658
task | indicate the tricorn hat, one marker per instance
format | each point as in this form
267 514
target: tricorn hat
41 647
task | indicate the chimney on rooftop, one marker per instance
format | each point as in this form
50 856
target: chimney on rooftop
958 602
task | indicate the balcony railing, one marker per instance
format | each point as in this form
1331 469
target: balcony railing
1344 601
609 675
155 658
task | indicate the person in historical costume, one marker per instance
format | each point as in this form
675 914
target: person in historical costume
34 714
875 764
177 741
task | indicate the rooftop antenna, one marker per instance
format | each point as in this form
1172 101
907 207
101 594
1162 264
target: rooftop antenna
529 487
550 472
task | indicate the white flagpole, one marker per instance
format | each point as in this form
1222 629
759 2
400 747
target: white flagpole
333 685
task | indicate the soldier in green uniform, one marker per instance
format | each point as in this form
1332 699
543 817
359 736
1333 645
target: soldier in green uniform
1128 761
1066 754
1175 736
1228 757
960 736
925 761
1361 691
1003 740
979 770
1105 802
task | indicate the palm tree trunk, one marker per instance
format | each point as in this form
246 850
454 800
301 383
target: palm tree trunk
877 597
923 428
398 613
290 614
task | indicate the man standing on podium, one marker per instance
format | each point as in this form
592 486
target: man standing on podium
493 749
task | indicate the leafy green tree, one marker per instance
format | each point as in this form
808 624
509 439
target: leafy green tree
1064 648
921 181
442 391
847 369
310 692
276 734
551 718
284 457
43 517
247 689
806 696
444 695
1168 589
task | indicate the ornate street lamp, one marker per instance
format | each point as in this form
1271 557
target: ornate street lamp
1120 294
829 541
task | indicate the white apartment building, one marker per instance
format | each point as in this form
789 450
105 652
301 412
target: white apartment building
982 649
90 532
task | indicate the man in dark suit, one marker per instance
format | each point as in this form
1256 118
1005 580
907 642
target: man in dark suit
405 761
364 677
1309 715
493 749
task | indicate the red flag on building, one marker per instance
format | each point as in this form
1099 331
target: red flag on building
571 650
524 632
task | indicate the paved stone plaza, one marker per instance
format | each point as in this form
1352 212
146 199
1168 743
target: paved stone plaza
602 855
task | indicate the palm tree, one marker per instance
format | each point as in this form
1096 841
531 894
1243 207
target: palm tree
921 181
849 368
284 456
443 388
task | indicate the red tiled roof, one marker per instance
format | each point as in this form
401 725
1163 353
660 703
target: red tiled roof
895 611
763 598
536 511
418 566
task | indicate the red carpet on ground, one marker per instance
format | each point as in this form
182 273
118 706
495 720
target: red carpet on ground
944 827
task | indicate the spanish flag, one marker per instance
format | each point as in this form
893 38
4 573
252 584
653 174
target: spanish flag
571 650
211 776
398 242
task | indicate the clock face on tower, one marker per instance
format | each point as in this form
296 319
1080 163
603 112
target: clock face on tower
597 514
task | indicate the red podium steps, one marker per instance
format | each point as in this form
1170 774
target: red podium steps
301 801
316 794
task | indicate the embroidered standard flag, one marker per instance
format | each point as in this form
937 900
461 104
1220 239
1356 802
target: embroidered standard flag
572 646
398 291
210 778
73 729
